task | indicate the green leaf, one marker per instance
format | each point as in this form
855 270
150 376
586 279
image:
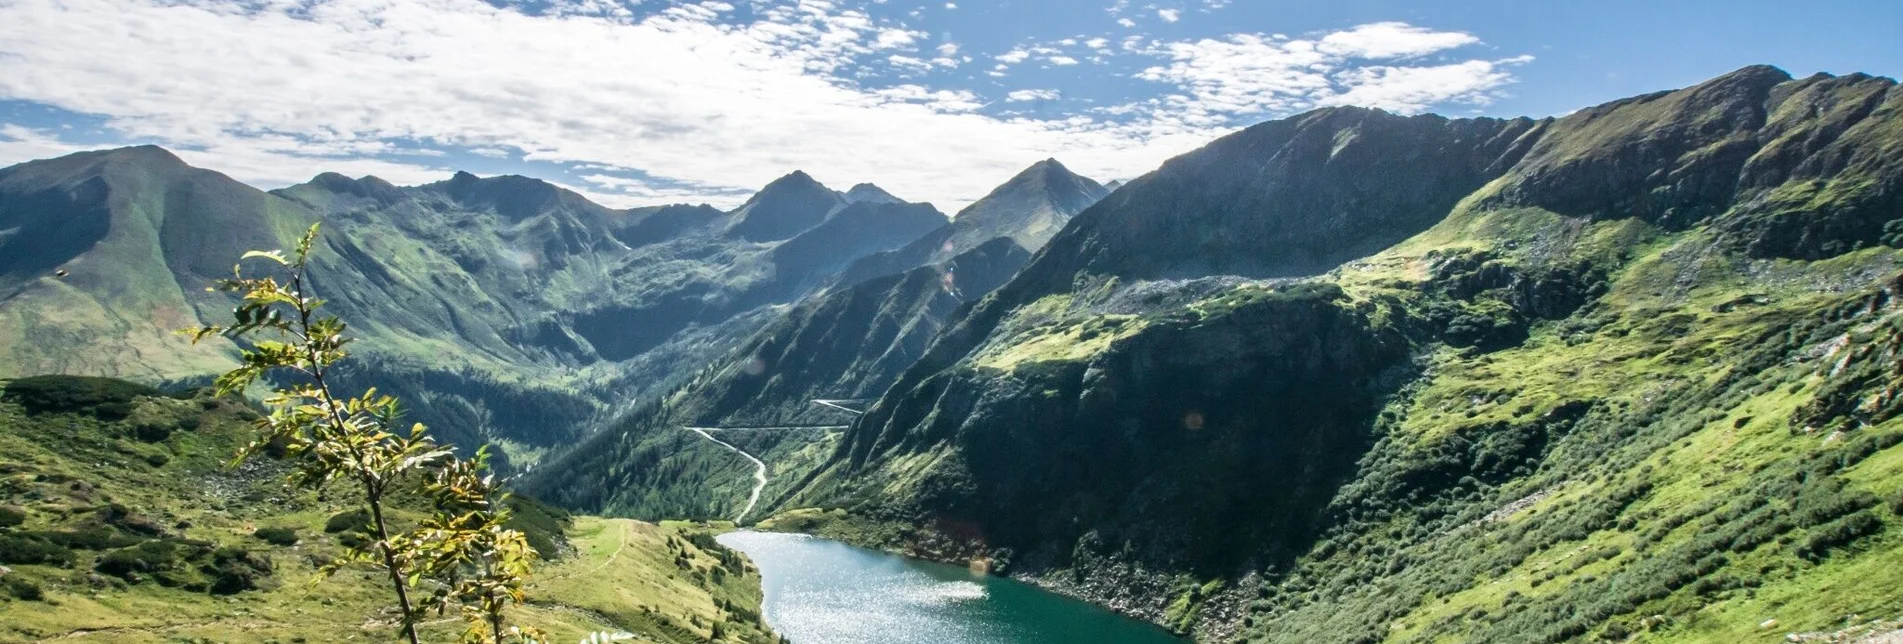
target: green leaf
273 255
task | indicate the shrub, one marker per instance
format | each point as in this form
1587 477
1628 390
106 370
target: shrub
147 558
350 520
152 431
94 538
108 398
23 589
113 410
235 570
26 550
1839 533
10 517
277 536
124 518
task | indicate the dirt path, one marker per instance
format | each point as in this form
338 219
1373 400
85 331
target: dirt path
835 405
759 474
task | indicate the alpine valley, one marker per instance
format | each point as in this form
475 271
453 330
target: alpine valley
1627 374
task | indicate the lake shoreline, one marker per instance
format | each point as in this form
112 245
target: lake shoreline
823 591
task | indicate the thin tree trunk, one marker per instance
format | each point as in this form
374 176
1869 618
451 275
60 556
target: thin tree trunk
396 574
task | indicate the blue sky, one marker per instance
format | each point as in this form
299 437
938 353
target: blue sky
656 101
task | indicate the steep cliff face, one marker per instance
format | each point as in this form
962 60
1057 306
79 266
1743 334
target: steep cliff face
1356 377
1194 441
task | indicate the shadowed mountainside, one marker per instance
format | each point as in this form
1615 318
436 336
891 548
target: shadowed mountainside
1635 365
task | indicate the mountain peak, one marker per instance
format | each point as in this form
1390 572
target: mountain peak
1048 172
1029 208
794 179
367 186
784 208
867 192
511 195
147 151
142 155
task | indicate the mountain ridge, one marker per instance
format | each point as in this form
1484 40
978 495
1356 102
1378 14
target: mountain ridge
1443 321
522 308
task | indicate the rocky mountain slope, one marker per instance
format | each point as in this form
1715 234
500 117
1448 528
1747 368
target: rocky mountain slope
1351 376
1029 209
850 342
513 311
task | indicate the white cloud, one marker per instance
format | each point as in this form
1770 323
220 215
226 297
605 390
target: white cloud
938 100
909 62
895 38
1392 40
1126 22
19 143
1415 89
1062 61
701 106
1254 74
1169 15
1024 95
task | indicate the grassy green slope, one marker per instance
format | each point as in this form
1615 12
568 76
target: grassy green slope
127 229
143 480
1731 466
1592 399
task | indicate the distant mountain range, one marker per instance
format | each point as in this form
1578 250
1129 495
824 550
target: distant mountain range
523 313
850 341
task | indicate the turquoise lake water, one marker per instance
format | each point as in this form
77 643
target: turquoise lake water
826 592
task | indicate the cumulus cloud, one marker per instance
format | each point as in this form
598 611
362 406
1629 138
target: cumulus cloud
895 39
1024 95
1252 74
687 102
1169 15
1392 40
